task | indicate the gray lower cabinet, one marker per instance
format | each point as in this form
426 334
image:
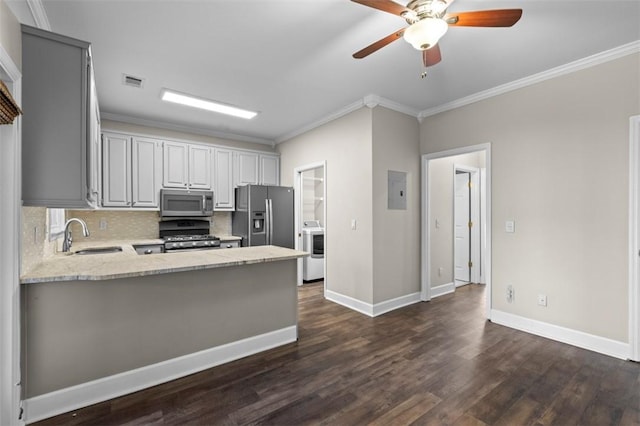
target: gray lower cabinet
60 121
229 244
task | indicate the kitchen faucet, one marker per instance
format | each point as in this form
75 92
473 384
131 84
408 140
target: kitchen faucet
66 244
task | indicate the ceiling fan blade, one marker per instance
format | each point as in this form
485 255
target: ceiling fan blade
384 5
431 56
484 18
378 44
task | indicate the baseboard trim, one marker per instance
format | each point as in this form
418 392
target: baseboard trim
569 336
393 304
85 394
349 302
372 310
443 289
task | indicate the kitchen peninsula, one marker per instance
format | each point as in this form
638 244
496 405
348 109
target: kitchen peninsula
102 325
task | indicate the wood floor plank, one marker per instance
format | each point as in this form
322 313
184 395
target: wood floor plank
432 363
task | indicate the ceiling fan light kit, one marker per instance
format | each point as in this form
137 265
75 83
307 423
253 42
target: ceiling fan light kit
425 33
428 21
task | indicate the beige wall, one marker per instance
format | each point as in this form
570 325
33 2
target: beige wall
380 260
116 126
345 144
441 203
560 169
10 36
396 233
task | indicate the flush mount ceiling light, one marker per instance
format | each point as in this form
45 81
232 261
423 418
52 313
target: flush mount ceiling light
195 102
426 33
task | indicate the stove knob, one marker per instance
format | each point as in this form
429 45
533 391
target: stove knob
181 244
194 244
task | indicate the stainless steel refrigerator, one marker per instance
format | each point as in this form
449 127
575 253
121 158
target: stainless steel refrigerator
264 215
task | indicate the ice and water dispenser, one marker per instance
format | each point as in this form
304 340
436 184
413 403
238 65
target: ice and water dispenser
257 220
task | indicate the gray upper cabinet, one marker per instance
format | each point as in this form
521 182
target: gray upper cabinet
186 166
116 167
60 122
132 171
269 170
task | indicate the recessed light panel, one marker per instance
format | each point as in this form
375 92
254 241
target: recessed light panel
195 102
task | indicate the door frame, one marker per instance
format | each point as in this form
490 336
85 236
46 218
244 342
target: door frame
10 226
297 195
474 203
426 219
634 238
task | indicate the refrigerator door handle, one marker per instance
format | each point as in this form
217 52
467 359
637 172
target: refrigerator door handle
267 222
270 222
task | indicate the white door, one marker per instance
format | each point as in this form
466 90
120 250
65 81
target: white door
462 235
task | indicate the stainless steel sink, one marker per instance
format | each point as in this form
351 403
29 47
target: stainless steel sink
99 250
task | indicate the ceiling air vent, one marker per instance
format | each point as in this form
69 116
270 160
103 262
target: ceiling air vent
129 80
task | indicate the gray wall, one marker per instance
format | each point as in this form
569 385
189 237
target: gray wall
78 331
560 169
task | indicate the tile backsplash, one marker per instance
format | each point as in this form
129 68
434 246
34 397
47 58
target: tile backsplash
120 225
126 225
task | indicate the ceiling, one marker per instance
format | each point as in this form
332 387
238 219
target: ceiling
291 59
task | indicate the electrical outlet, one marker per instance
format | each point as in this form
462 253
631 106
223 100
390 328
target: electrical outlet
440 271
510 293
353 224
542 299
103 224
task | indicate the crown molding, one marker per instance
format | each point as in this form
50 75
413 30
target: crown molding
39 14
186 129
370 101
580 64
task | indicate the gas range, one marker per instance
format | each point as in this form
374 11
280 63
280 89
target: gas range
184 242
187 234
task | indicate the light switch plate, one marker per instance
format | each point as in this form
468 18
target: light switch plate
510 226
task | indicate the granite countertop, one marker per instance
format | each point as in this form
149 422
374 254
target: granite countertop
127 263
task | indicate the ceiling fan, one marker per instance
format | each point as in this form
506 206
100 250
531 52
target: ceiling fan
428 21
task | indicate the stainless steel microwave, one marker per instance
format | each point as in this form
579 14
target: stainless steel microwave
185 203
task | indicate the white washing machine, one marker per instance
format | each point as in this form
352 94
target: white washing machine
313 243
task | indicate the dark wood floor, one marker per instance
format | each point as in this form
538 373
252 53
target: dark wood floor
427 364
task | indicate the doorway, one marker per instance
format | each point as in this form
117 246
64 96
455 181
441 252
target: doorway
467 222
10 226
634 238
311 221
438 221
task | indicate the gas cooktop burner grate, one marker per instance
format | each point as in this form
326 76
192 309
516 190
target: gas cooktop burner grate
173 238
